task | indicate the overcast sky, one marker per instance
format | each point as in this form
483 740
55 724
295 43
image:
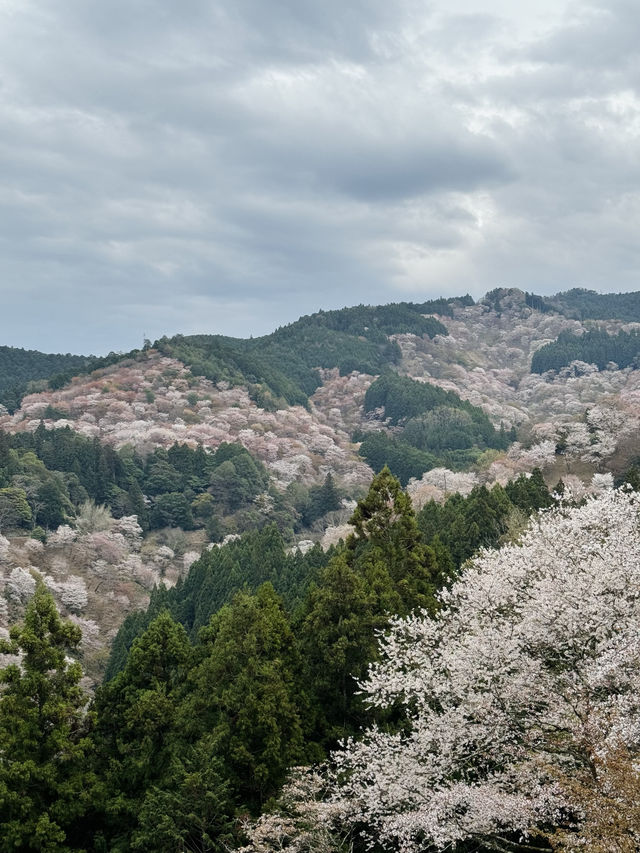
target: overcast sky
225 166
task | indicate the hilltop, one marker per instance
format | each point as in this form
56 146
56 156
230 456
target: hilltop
203 437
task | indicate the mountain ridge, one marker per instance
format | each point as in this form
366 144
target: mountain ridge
577 424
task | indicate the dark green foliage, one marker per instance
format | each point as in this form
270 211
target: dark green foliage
463 525
321 500
161 477
57 470
192 810
132 627
60 469
45 783
255 558
385 527
529 493
439 428
171 510
18 367
584 304
280 368
538 303
245 695
631 477
385 569
14 508
594 347
23 371
187 738
138 724
379 449
403 398
338 641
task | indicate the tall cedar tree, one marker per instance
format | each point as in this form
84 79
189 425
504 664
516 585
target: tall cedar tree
137 730
246 696
45 786
384 570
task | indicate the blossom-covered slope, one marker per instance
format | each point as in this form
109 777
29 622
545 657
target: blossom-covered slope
590 415
485 358
155 401
97 572
573 423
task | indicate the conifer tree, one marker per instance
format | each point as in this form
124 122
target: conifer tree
385 523
246 694
192 811
384 570
45 786
137 725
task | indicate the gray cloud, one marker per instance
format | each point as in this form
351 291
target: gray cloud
227 167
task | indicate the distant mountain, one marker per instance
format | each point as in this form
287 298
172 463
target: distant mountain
296 398
27 371
282 368
205 436
581 304
19 367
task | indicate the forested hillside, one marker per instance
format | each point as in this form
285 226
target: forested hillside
226 679
589 305
437 428
283 367
20 367
223 557
26 371
593 347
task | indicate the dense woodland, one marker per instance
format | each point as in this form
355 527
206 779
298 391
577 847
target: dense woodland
45 476
436 428
593 347
281 368
246 668
27 371
460 676
20 369
589 305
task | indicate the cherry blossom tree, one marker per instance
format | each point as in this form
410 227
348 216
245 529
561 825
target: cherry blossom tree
303 822
522 697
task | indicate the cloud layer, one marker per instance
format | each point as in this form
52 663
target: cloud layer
226 167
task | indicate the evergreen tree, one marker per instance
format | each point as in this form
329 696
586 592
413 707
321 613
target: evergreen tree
322 499
137 505
137 725
384 570
192 811
385 523
246 694
45 786
338 641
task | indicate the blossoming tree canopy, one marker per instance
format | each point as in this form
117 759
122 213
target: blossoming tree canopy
524 683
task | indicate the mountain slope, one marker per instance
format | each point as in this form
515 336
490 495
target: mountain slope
573 423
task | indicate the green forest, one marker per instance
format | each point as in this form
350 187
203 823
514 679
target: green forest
46 475
248 667
254 662
593 347
437 427
281 368
20 369
583 304
29 371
